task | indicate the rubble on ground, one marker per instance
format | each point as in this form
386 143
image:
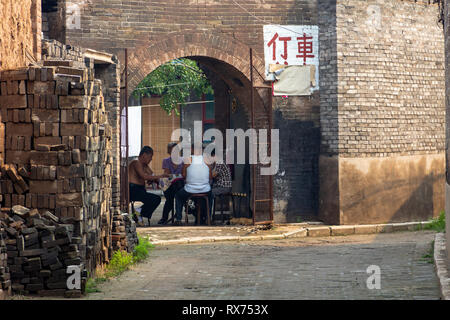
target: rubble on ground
39 249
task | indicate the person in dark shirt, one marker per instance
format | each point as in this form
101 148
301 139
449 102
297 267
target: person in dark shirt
222 182
177 183
221 177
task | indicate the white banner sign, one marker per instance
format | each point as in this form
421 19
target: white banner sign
291 45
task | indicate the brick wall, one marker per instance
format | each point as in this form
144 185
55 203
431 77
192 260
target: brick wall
20 39
54 20
328 76
132 23
158 31
446 13
390 62
382 111
297 182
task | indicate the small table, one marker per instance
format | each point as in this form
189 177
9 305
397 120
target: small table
160 192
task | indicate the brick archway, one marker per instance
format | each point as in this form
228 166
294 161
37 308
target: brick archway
230 60
218 53
146 58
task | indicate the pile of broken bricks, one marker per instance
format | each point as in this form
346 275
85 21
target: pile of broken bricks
124 236
39 249
13 185
5 277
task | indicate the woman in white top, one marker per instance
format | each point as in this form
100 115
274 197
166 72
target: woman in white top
197 175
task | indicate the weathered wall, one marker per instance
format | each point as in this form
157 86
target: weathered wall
109 74
20 39
391 189
296 195
446 16
387 102
131 24
54 20
19 33
391 78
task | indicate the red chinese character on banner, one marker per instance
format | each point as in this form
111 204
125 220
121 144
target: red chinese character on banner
273 43
305 48
285 40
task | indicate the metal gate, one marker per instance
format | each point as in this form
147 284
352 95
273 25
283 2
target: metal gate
262 185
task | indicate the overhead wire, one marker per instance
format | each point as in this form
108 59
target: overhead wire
163 86
204 30
189 67
184 103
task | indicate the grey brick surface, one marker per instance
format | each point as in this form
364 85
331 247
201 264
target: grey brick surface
332 268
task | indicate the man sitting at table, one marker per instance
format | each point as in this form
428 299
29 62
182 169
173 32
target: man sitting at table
138 173
197 175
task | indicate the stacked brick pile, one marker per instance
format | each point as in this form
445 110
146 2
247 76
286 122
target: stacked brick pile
58 142
124 236
130 229
2 139
13 185
55 50
39 249
5 282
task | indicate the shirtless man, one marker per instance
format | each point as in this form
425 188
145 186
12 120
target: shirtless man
138 173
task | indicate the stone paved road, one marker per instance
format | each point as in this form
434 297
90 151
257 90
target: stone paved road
317 268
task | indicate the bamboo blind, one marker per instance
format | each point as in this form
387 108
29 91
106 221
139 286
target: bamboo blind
157 128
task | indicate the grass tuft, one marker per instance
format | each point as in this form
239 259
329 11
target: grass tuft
120 262
437 224
142 250
429 256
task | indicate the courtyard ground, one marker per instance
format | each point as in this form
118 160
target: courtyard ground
303 268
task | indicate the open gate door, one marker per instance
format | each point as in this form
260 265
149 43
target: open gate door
262 185
124 189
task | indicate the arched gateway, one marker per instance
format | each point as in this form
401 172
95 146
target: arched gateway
199 46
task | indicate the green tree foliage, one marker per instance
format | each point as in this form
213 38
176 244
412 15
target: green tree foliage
174 82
